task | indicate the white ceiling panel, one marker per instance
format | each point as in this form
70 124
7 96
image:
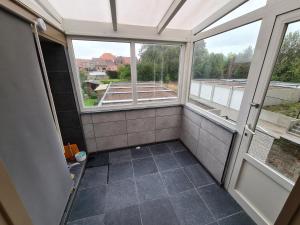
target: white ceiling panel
141 12
193 12
93 10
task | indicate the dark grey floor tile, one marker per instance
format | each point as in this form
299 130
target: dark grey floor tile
144 166
176 181
166 162
185 158
158 212
198 175
88 202
150 187
94 177
161 148
190 209
237 219
127 216
120 194
176 146
141 153
120 171
93 220
97 159
123 155
219 201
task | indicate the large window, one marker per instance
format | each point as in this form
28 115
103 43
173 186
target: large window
157 71
220 70
104 73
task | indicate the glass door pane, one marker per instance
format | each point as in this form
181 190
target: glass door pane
276 142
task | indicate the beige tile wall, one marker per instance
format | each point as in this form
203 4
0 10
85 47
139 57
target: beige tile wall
110 130
208 141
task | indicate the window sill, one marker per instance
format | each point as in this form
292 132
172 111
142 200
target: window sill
230 126
117 108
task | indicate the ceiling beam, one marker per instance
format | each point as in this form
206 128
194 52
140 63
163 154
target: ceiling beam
95 30
171 12
227 8
113 10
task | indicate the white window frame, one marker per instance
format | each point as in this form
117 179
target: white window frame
135 104
248 18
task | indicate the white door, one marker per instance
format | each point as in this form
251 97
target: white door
268 160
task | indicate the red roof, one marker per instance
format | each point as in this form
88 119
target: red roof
107 57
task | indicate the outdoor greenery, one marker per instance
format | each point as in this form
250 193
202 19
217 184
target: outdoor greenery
158 63
90 102
291 109
208 65
236 66
108 81
287 68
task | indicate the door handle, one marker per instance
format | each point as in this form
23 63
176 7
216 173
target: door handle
249 130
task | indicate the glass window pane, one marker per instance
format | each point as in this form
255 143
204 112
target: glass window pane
277 139
220 69
157 72
245 8
104 72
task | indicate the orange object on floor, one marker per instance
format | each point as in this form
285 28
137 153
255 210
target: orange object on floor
70 151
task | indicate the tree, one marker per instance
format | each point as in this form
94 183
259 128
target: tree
124 72
112 74
201 58
216 65
158 63
287 68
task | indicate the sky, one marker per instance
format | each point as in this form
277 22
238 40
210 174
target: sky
234 41
94 49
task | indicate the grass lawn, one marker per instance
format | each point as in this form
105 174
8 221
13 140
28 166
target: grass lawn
291 109
113 81
90 102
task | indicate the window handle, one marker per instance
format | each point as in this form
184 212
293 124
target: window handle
249 130
255 105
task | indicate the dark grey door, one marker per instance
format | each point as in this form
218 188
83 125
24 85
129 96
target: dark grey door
29 143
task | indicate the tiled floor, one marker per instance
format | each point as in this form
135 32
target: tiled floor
160 184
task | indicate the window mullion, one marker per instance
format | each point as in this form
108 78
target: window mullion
133 72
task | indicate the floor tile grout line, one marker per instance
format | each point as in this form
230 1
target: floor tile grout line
160 172
195 188
160 175
166 189
136 192
236 213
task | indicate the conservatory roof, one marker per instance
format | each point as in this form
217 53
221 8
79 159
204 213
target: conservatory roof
169 14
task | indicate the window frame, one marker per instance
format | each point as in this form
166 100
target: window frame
135 104
251 17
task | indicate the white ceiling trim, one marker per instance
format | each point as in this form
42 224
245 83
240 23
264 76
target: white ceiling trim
88 29
113 10
230 6
171 12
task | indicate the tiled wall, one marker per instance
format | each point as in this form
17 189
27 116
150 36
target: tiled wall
110 130
209 142
63 93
